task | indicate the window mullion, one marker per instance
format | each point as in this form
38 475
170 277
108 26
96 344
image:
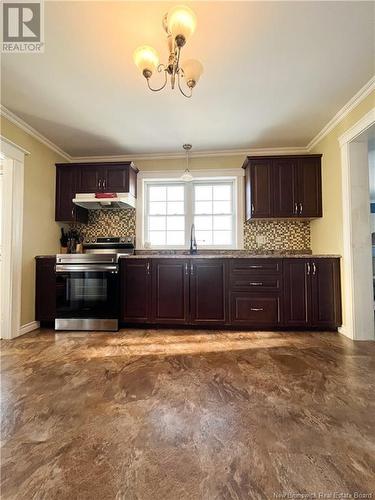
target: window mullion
189 210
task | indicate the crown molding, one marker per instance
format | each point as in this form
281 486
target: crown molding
345 110
195 154
31 131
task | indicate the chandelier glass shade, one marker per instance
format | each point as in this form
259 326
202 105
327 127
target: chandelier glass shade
179 24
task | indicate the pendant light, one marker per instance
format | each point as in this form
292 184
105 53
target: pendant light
187 175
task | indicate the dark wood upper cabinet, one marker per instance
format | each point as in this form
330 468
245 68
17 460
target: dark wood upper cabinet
66 188
89 179
258 189
170 291
309 190
283 186
135 275
72 178
284 180
117 177
45 289
208 297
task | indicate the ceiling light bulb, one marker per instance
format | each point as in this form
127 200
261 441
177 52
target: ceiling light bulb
193 70
187 176
181 22
146 59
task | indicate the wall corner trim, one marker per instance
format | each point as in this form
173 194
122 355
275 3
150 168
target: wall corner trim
9 115
345 110
28 327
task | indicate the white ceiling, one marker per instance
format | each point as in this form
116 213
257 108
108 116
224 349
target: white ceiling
275 74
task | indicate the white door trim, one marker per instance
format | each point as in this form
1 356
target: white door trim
353 313
12 238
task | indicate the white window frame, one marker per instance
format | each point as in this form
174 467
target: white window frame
234 175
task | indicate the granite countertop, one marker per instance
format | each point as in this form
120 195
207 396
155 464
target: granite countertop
228 255
234 255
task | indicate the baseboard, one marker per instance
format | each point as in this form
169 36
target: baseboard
29 327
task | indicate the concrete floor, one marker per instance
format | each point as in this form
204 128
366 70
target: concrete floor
176 414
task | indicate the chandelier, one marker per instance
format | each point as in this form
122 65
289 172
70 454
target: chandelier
178 24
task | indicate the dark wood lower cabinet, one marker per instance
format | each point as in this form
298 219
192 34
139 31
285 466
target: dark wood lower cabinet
325 293
248 293
255 311
208 304
170 291
312 293
296 292
45 289
135 275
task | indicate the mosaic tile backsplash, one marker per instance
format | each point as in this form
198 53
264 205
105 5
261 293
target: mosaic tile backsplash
274 234
277 235
111 222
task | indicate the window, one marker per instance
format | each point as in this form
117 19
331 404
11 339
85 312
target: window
170 207
166 214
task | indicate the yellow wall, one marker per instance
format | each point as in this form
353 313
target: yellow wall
40 231
235 161
327 233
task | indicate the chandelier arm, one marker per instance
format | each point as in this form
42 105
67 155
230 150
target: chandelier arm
179 84
161 67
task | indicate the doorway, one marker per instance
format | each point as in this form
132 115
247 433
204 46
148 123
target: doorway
357 257
12 180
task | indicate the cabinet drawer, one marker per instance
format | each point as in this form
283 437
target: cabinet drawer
255 266
256 284
249 310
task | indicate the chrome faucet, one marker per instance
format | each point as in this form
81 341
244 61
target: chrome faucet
193 241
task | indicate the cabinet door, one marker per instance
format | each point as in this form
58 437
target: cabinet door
66 188
116 179
45 289
296 292
309 187
284 180
90 179
325 293
259 199
208 302
135 290
170 291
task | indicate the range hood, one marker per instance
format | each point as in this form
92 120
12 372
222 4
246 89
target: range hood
89 201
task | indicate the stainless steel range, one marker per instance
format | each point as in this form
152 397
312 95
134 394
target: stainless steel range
87 285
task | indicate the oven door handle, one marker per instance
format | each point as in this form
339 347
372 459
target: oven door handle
77 268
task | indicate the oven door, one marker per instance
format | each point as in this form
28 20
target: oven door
87 291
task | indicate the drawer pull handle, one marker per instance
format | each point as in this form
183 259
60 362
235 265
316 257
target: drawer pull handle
256 309
255 283
256 267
